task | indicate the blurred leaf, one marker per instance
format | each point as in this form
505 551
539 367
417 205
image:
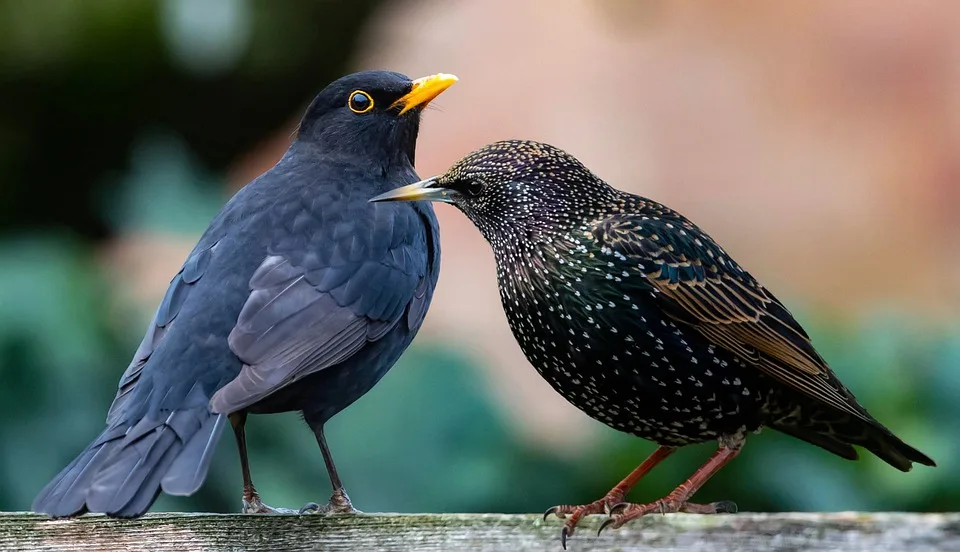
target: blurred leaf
53 344
207 37
165 191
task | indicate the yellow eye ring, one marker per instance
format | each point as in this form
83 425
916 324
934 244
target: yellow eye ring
360 102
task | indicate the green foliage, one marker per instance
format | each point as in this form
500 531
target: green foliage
58 359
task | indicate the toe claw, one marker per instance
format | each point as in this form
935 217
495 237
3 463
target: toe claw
606 523
309 508
551 510
725 507
617 507
564 533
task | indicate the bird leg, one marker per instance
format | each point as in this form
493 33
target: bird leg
339 501
251 498
611 499
676 501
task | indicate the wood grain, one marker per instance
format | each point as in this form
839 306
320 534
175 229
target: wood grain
746 532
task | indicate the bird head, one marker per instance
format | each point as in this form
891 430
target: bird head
512 185
371 113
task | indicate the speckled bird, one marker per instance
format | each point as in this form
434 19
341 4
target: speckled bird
299 296
641 320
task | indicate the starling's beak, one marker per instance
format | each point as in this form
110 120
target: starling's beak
425 190
423 91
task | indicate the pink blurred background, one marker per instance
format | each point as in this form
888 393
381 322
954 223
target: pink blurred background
819 142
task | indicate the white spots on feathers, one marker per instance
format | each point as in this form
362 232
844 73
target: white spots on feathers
593 329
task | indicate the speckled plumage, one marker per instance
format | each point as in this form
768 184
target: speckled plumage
640 319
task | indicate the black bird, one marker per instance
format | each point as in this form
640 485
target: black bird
641 320
298 297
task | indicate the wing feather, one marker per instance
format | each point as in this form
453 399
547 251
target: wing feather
299 320
698 284
173 300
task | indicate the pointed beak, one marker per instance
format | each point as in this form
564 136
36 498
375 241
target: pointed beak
424 90
425 190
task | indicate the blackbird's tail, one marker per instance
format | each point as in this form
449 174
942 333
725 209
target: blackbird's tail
123 471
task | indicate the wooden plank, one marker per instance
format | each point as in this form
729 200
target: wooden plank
745 532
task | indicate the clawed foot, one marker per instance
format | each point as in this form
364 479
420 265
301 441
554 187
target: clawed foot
339 504
621 512
625 512
603 506
253 505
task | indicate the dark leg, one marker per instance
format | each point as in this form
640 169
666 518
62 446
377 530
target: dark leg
251 498
339 501
676 501
611 499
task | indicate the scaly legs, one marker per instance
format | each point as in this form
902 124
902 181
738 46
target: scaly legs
251 498
621 512
676 501
339 501
611 499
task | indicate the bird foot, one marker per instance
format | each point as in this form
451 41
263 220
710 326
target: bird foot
625 512
253 505
603 506
339 504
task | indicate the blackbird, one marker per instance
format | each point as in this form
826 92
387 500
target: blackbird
641 320
299 296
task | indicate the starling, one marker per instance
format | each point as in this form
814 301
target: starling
641 320
299 296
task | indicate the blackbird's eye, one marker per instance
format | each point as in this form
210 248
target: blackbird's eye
360 102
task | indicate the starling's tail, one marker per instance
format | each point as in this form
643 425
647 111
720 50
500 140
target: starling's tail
892 450
842 431
123 470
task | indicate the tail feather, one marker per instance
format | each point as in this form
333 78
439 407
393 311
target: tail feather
65 495
141 488
838 432
822 440
129 469
189 469
121 473
892 450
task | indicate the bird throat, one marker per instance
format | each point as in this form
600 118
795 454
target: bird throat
545 276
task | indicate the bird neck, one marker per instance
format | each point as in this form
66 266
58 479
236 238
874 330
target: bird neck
551 246
534 255
393 168
532 216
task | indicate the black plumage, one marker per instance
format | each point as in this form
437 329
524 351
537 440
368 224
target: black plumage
641 320
298 297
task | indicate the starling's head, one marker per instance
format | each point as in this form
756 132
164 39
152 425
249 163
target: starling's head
512 184
371 113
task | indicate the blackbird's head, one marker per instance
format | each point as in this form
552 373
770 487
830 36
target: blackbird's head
371 113
513 186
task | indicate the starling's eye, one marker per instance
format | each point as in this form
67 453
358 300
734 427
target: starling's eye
360 102
474 187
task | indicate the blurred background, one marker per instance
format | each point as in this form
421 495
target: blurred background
818 141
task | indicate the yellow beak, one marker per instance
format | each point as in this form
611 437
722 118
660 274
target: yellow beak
425 190
424 90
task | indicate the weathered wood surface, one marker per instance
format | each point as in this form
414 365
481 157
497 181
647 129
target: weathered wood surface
744 532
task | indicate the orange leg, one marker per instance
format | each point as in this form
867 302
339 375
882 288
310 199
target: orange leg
611 499
676 501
